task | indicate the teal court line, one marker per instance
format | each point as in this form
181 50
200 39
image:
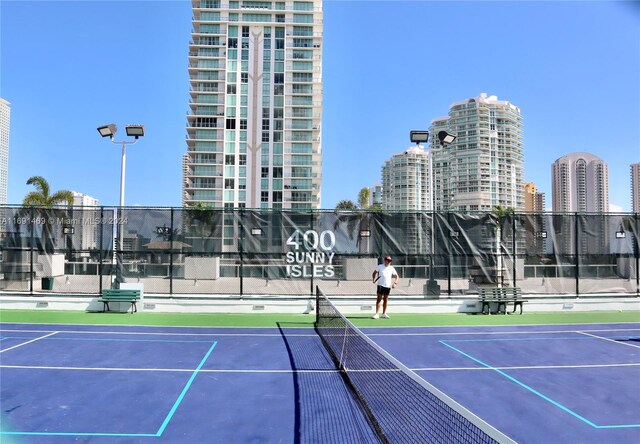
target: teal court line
160 431
531 389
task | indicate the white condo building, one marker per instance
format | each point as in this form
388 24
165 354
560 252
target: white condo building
253 130
406 181
85 234
635 187
580 183
484 166
5 118
375 194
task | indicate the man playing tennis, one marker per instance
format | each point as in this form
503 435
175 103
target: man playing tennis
387 278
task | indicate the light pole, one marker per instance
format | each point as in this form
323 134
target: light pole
109 131
445 138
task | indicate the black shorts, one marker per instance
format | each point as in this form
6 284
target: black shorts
384 291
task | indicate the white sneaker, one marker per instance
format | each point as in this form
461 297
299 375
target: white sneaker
385 316
375 316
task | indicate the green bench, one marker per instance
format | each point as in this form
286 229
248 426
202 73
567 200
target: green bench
119 295
501 296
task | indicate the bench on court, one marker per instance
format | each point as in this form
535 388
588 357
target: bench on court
119 295
501 296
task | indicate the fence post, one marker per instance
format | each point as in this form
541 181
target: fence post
576 249
31 245
636 248
171 241
101 250
241 251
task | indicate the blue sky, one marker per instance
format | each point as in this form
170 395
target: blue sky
67 67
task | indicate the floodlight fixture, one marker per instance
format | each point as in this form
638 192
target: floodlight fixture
135 131
419 136
108 130
256 231
365 233
446 138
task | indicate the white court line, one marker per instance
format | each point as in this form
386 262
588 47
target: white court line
28 342
190 370
81 332
608 339
474 333
530 367
168 370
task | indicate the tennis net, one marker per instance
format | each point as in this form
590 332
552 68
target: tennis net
401 406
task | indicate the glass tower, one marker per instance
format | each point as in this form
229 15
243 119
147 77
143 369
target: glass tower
253 130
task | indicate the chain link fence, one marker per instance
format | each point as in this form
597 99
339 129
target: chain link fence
202 252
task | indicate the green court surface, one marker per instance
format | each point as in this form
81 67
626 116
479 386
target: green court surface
298 320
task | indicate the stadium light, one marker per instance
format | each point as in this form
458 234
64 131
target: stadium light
108 130
136 131
446 138
419 136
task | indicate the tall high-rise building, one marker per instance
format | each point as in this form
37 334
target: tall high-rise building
406 181
484 166
5 118
635 187
253 131
375 194
85 235
533 201
580 183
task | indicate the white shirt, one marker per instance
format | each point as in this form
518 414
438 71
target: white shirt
385 275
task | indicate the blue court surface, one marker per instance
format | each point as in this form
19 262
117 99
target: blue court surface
550 384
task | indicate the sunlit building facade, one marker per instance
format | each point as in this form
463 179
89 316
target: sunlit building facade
484 166
253 131
406 181
534 202
580 183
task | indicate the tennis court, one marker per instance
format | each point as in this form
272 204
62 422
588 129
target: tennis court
132 384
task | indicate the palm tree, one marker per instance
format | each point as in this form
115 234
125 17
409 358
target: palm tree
42 197
43 200
500 213
203 217
346 205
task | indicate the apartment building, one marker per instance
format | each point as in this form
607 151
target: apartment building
406 181
534 202
484 166
580 183
253 130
